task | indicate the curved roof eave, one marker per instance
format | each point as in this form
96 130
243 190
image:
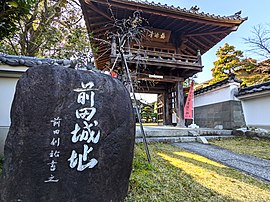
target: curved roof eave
193 13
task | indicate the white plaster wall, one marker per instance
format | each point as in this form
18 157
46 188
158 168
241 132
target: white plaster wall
7 91
257 111
220 94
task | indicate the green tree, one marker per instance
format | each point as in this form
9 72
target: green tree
228 60
247 70
10 12
148 112
51 29
251 72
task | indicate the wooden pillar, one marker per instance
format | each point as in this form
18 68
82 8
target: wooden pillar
160 109
168 116
180 104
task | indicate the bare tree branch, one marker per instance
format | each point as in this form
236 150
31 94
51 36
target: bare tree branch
260 40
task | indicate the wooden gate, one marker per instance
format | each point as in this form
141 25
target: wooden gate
160 108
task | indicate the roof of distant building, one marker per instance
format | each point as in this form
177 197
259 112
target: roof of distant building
230 79
254 89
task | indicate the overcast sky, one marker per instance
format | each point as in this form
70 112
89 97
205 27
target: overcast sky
257 11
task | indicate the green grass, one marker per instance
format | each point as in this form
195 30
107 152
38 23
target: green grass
255 147
178 175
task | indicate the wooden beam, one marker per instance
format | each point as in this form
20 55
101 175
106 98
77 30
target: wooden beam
101 59
158 78
94 8
95 18
164 22
170 24
183 40
176 64
209 33
150 89
200 43
194 45
102 29
205 39
216 28
190 50
184 51
99 23
200 28
188 24
215 37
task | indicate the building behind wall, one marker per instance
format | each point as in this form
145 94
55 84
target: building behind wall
256 105
216 105
9 75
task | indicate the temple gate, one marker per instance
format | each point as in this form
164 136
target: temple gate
170 51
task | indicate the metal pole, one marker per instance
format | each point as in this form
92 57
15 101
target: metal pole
136 105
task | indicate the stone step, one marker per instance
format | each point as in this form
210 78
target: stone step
169 131
180 139
162 133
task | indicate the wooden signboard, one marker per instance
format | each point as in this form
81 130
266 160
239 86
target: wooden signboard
158 35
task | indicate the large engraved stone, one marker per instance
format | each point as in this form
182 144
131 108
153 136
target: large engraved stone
71 138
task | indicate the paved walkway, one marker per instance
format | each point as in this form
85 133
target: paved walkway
254 166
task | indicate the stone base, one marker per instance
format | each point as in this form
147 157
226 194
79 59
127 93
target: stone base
229 114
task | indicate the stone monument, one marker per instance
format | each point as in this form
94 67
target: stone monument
71 138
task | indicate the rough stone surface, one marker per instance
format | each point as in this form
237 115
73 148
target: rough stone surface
252 132
48 161
229 114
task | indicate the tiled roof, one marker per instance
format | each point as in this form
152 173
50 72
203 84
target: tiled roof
31 61
230 79
254 89
193 10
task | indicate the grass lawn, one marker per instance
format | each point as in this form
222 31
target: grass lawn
178 175
255 147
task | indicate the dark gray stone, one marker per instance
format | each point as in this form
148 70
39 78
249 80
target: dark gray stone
228 113
238 132
47 161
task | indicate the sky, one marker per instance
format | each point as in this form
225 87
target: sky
257 12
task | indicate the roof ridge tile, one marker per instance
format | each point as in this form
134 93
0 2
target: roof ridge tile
235 16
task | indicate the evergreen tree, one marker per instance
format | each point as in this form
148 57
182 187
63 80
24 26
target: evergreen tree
228 60
10 12
51 29
248 70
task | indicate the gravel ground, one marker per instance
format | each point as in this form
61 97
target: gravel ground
254 166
